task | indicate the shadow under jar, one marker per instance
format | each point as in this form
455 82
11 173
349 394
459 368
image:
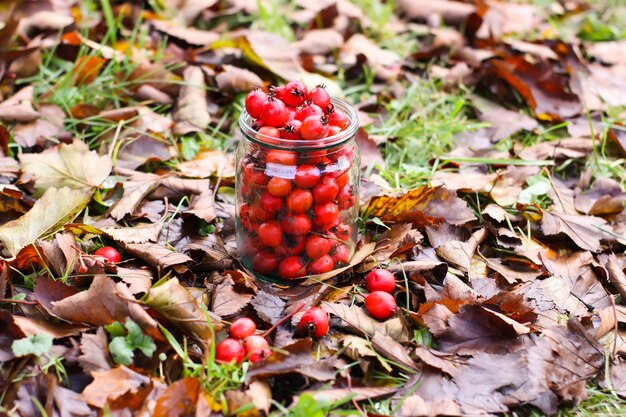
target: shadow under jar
297 201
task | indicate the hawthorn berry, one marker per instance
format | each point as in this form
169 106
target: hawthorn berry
380 280
319 96
294 93
293 245
380 305
326 190
270 233
255 176
314 127
291 130
341 254
345 198
254 102
274 112
322 264
270 202
325 214
308 109
270 131
109 253
292 267
318 246
299 200
257 348
313 323
296 224
265 262
282 157
242 328
338 118
229 350
279 187
307 176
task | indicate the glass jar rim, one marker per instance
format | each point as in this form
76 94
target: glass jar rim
245 124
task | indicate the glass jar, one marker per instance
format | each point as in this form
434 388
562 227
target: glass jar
297 201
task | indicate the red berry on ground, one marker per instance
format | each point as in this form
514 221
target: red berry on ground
229 350
254 343
380 280
307 110
254 102
279 187
326 190
292 267
314 127
299 200
291 130
294 93
307 176
318 246
270 233
242 328
380 305
296 224
274 112
325 214
314 323
321 265
318 95
109 253
270 202
264 262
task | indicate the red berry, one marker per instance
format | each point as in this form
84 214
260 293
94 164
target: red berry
345 198
274 112
319 96
333 130
259 214
270 233
257 124
326 190
291 114
264 262
307 176
254 175
313 157
322 264
277 91
246 217
341 254
314 323
109 253
339 119
279 187
314 127
282 157
296 224
299 200
380 280
242 328
254 342
257 348
318 246
229 350
343 232
292 246
270 202
294 94
307 110
343 179
291 131
254 102
381 305
270 131
325 214
292 267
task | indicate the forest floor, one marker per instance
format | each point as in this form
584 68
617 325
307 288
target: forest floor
493 185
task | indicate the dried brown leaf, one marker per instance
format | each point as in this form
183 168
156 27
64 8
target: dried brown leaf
114 384
191 114
95 352
585 231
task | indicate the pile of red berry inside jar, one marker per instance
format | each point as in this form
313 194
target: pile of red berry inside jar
297 182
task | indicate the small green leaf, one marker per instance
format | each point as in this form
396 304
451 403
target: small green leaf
121 350
189 147
115 329
32 345
379 222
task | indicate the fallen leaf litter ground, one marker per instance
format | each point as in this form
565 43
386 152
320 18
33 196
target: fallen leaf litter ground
493 187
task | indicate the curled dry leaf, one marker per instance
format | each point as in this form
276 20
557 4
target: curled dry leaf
48 126
272 52
585 231
227 301
461 253
234 80
384 63
452 12
192 114
421 206
19 108
176 303
113 384
180 398
208 163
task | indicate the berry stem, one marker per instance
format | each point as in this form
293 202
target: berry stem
284 319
